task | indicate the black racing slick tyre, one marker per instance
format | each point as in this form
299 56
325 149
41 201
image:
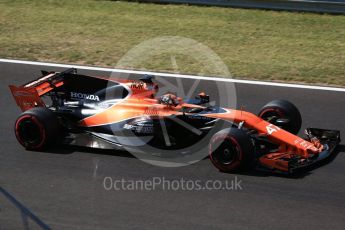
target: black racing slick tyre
37 129
231 150
284 110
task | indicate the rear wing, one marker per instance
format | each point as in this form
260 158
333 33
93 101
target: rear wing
29 95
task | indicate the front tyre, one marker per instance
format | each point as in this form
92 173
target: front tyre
37 129
231 150
284 111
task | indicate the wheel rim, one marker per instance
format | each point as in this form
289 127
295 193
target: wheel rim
271 115
30 132
227 153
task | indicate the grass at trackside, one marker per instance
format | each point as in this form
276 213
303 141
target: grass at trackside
254 44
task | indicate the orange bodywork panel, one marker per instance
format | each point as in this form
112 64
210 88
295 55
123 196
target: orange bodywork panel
131 108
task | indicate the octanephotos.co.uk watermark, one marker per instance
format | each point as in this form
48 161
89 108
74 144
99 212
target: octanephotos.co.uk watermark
162 183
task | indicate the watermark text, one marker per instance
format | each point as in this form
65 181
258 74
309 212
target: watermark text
161 183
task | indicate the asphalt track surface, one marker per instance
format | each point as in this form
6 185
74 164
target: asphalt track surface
64 189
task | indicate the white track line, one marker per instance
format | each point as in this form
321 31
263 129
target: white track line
175 75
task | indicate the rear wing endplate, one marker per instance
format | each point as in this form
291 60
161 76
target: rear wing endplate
29 95
26 97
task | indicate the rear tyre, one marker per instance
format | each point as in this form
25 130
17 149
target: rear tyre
37 129
231 150
282 109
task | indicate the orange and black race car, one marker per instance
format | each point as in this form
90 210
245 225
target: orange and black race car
70 108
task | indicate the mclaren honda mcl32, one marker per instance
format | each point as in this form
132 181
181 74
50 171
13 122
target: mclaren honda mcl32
71 108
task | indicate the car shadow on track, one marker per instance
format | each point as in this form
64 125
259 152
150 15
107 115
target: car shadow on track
298 174
69 149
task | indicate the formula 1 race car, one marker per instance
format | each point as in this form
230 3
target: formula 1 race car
70 108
